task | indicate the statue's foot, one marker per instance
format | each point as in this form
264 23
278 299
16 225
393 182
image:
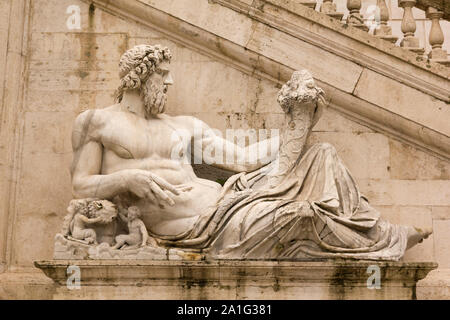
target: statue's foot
417 235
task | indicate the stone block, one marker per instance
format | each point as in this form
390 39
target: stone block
51 170
26 285
47 133
231 25
344 279
31 230
333 121
297 54
409 163
78 46
90 21
404 101
441 242
440 213
232 91
406 192
4 23
366 155
436 286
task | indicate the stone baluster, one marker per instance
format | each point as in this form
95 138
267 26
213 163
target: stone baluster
309 3
437 54
384 31
355 18
409 41
329 8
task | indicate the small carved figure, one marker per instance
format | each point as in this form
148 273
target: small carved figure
137 232
82 212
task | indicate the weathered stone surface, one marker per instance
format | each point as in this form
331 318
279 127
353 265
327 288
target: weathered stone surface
365 154
333 121
26 285
406 192
436 286
441 213
420 165
235 279
442 239
399 99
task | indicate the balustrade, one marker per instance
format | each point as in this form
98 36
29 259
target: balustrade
435 11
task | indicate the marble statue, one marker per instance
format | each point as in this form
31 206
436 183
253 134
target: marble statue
298 204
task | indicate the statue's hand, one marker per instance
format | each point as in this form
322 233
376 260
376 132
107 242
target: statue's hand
146 184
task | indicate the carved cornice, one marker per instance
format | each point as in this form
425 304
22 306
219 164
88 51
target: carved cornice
430 79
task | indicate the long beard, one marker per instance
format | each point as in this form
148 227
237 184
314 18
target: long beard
155 98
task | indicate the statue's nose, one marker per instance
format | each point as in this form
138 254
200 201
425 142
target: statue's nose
168 80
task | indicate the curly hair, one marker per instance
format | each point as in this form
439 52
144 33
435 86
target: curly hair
137 64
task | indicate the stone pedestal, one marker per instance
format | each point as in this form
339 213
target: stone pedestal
144 279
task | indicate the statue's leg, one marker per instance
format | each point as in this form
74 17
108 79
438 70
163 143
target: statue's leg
133 241
90 236
126 241
120 241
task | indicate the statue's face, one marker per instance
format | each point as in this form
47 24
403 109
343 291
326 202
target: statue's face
155 89
133 213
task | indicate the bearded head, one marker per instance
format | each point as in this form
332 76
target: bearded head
136 67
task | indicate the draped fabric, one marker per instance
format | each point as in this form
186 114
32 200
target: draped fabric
254 221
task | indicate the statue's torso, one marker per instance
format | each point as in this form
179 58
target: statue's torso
131 142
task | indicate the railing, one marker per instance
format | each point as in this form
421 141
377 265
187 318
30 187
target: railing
435 10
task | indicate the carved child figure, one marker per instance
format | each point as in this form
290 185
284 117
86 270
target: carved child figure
137 232
80 219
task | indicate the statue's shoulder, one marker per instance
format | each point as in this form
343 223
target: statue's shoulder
88 124
93 118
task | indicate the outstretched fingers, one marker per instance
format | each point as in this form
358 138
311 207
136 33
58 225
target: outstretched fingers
149 194
159 193
165 185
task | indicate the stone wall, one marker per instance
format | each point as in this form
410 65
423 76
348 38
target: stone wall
68 71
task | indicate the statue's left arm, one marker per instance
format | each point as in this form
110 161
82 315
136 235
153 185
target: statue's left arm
225 154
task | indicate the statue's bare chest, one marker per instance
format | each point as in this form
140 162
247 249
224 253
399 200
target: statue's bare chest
130 137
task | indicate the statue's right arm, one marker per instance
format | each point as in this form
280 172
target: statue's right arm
87 180
87 160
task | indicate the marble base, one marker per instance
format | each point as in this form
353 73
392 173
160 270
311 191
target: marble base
146 279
